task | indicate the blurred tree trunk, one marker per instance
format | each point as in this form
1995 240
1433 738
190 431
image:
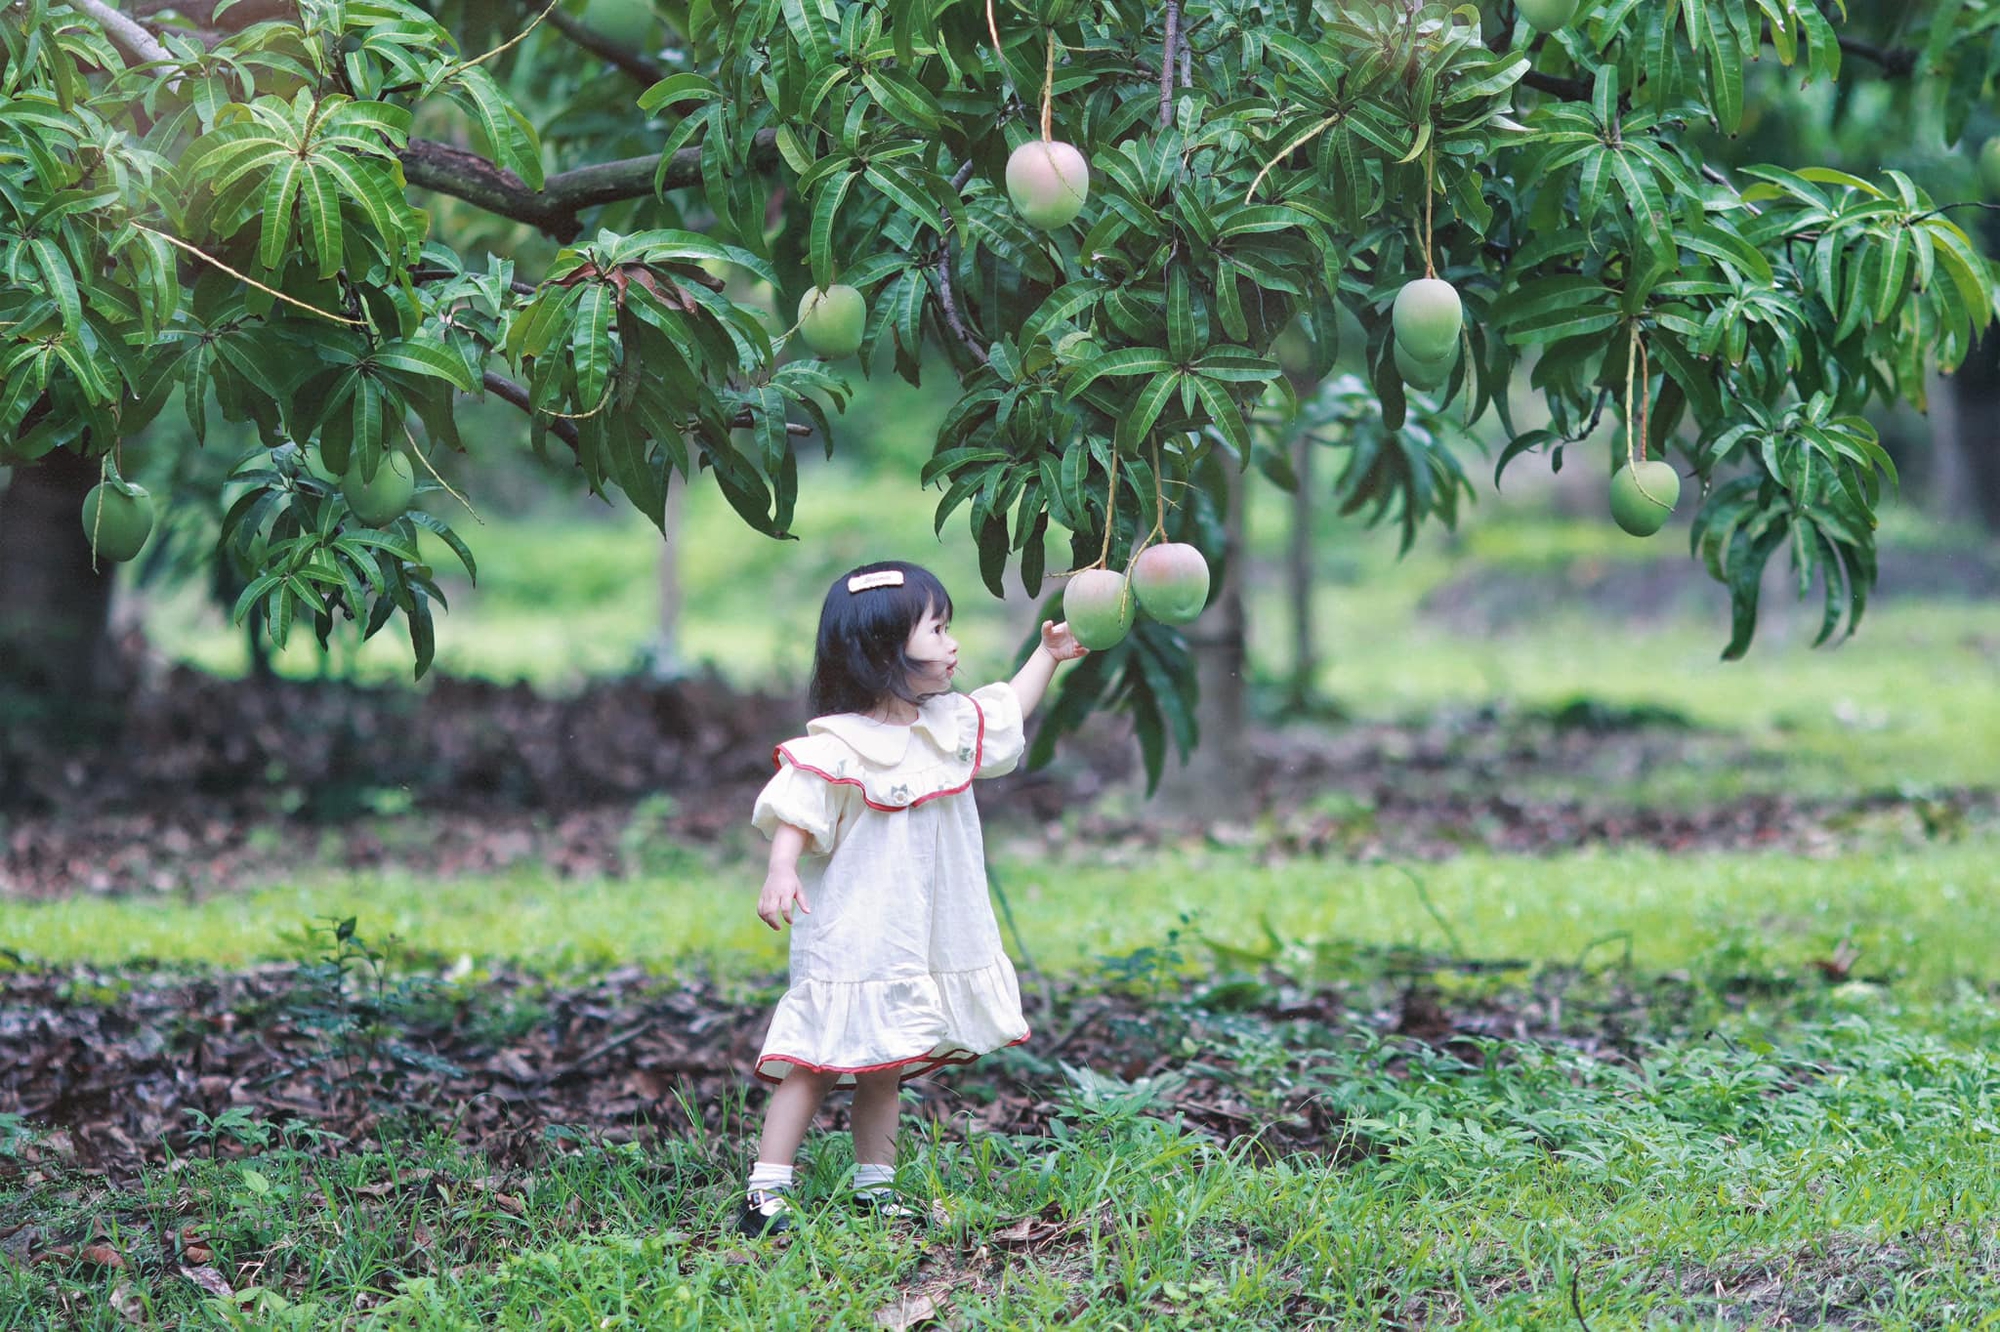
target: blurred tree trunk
1216 783
56 659
667 660
1965 424
1299 577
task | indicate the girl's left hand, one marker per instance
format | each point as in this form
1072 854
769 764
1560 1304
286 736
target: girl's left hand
1060 642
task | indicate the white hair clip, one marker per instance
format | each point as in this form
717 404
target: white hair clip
880 578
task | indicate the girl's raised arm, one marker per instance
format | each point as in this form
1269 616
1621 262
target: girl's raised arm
1032 680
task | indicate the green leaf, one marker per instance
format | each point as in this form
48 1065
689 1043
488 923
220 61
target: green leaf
1134 425
907 196
809 29
1648 205
1181 337
820 244
590 345
993 552
675 88
904 98
1236 365
1123 361
60 280
423 634
1725 76
426 359
1224 413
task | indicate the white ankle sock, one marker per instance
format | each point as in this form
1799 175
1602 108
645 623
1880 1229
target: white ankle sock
764 1175
873 1178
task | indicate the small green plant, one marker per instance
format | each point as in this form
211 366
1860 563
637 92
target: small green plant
236 1124
16 1136
1150 970
355 1004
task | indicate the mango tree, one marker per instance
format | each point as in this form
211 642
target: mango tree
1101 216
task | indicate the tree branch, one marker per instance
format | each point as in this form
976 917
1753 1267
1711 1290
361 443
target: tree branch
628 61
233 19
1167 64
247 12
518 287
1897 62
950 303
564 428
946 299
507 390
553 209
1570 90
131 39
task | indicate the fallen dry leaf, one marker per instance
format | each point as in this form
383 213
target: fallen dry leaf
1030 1231
506 1202
129 1303
102 1255
907 1312
209 1280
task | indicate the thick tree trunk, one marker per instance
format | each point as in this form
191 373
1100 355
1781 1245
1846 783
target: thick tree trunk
57 666
1216 784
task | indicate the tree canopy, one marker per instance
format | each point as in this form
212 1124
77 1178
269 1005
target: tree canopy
222 202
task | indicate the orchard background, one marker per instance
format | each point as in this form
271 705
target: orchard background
1477 915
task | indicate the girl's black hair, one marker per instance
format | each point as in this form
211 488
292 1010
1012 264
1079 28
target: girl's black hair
862 654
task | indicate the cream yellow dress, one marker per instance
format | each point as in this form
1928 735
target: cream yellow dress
899 964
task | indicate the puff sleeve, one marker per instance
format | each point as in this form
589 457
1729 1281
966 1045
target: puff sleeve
806 801
1005 738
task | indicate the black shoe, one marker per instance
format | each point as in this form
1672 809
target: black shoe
765 1212
889 1207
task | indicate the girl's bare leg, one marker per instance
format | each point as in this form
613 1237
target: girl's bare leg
790 1114
876 1110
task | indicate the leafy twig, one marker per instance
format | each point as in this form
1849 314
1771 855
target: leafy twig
208 258
507 45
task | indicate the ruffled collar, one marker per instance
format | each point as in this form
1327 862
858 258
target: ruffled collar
888 743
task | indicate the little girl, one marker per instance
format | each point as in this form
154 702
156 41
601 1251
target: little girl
897 967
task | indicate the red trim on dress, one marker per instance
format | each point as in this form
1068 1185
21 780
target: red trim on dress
780 756
929 1063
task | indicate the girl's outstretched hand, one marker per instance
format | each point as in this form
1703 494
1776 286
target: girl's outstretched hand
1060 642
781 889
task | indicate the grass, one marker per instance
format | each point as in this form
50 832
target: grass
1847 1174
1826 1154
1925 917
